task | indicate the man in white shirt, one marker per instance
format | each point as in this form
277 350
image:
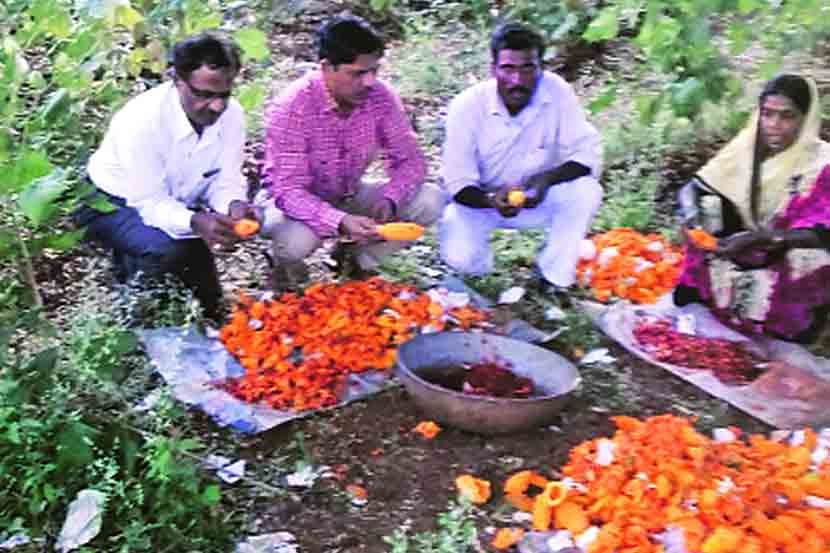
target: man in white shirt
171 162
523 129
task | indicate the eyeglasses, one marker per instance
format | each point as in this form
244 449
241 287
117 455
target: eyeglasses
208 94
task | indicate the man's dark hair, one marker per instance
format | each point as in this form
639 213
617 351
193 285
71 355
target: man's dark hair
342 39
211 48
515 36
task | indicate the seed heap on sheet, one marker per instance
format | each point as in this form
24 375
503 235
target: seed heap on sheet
730 361
298 351
629 265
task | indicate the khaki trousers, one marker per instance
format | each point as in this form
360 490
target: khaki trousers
293 241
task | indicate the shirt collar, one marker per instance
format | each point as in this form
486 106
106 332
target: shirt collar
181 124
542 95
329 103
182 128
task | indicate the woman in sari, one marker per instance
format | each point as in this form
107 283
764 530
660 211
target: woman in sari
766 197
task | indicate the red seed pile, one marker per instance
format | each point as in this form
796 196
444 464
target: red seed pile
495 380
730 361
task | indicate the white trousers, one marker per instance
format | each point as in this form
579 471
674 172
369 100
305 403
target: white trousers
566 214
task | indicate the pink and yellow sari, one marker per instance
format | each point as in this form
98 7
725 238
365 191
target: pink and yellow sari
784 297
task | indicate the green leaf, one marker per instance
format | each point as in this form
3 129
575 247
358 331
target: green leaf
251 96
101 203
647 107
37 201
65 240
604 27
687 96
82 45
381 5
37 81
769 68
8 246
31 166
44 362
135 61
125 342
748 6
50 16
605 98
60 23
211 495
739 37
73 445
124 16
56 105
253 43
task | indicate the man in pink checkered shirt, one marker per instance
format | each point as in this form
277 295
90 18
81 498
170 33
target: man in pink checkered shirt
322 133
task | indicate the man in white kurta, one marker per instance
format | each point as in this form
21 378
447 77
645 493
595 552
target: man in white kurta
522 129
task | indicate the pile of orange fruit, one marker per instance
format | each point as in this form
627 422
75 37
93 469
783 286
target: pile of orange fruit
753 495
630 265
298 351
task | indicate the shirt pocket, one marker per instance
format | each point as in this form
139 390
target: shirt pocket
493 145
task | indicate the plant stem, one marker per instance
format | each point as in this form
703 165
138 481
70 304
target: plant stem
28 271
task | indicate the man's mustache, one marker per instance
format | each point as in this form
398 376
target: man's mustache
519 89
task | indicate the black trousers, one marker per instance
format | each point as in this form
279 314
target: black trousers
137 247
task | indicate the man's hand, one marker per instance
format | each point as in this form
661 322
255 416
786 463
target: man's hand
537 188
358 228
383 211
214 228
499 201
240 209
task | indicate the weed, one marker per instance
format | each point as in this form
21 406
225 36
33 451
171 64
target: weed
304 458
155 303
456 533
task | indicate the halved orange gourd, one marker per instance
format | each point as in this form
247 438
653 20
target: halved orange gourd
702 239
516 198
400 231
246 227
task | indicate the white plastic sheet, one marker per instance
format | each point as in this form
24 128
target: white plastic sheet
768 398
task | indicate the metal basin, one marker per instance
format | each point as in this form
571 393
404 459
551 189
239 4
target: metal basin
428 356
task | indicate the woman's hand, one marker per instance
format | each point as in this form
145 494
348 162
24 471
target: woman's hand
753 249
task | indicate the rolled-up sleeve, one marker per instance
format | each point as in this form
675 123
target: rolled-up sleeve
404 161
231 184
459 163
288 168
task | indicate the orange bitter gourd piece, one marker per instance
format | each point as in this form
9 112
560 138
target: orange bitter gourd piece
473 489
246 227
400 231
507 538
702 239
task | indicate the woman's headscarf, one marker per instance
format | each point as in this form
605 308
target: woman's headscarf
731 171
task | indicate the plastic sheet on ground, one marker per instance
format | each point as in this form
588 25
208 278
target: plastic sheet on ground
793 392
192 364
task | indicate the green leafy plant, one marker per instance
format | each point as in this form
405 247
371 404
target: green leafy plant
456 533
678 39
61 433
65 67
